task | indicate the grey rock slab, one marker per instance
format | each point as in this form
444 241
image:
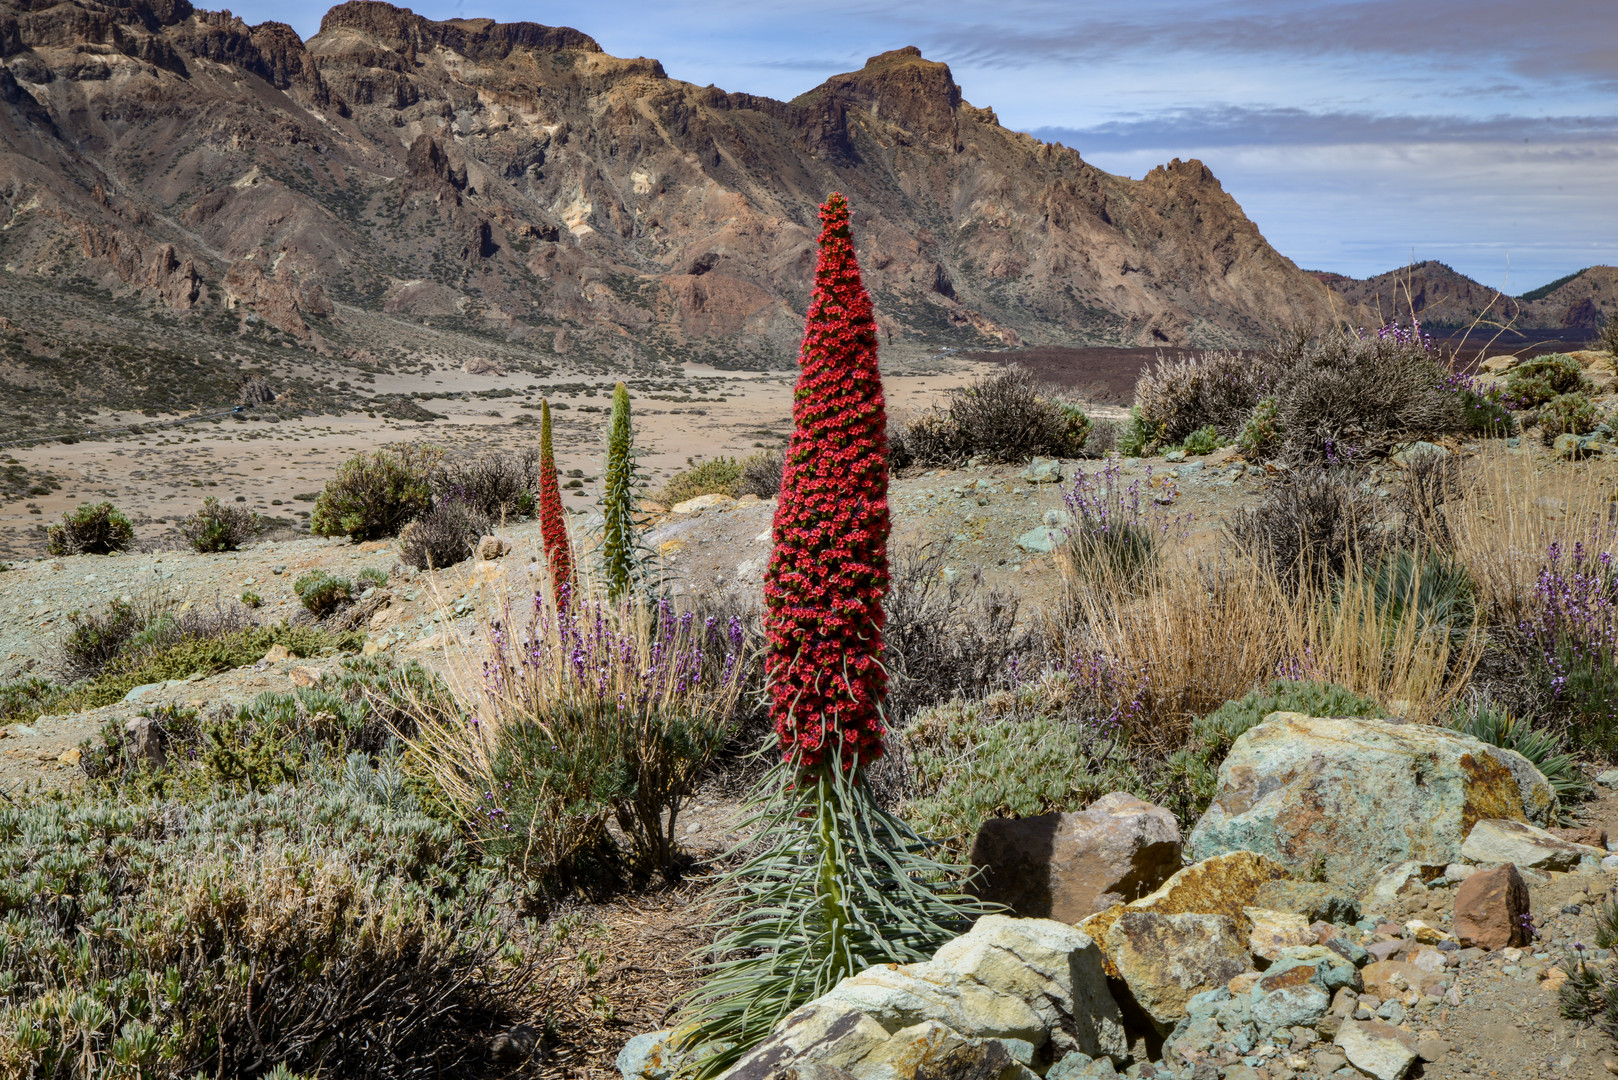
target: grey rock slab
1497 841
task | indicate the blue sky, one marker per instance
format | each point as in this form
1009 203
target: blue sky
1358 135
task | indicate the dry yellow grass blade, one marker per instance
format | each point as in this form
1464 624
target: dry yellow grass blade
1513 510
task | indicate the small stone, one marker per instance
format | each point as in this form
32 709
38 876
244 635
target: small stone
306 676
1165 960
704 502
278 570
492 547
1381 1050
68 757
1040 539
138 692
1276 930
1608 778
1069 866
276 654
1431 1048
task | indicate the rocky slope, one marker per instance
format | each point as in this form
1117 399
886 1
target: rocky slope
1445 298
515 183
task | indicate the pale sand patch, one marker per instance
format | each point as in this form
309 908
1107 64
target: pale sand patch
160 477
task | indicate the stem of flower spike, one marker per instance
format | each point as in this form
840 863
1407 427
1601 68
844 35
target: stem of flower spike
833 872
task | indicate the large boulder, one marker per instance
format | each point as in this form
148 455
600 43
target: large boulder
1010 994
1166 960
1348 796
1068 866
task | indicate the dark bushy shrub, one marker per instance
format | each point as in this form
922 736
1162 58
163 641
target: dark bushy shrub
94 641
947 634
1177 397
322 594
218 527
1312 526
374 495
499 486
761 474
1006 416
1344 398
1609 335
1103 439
1566 414
447 534
92 529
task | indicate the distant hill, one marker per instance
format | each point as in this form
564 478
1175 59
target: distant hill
1444 298
514 180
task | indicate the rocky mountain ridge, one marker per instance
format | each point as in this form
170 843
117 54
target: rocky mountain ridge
514 182
1446 298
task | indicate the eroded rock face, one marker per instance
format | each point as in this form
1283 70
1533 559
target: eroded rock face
1009 994
1068 866
516 133
1347 797
1166 960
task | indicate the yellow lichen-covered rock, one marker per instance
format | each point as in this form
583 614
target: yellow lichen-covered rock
1222 885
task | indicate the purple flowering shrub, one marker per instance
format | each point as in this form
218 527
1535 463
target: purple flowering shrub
1114 530
1573 641
584 715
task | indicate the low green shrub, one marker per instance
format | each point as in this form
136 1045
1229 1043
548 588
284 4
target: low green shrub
203 655
92 529
1544 377
322 593
27 699
1004 756
1139 437
1566 414
275 738
715 476
372 576
1204 440
1216 732
375 494
218 527
1260 436
251 599
314 928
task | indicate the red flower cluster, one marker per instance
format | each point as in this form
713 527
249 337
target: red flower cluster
829 570
552 525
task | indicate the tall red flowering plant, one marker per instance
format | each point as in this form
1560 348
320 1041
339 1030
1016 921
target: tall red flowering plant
552 523
829 571
836 883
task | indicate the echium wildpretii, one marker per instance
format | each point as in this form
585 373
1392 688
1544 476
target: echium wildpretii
552 523
619 545
829 569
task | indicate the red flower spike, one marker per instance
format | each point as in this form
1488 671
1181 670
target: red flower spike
829 570
552 524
